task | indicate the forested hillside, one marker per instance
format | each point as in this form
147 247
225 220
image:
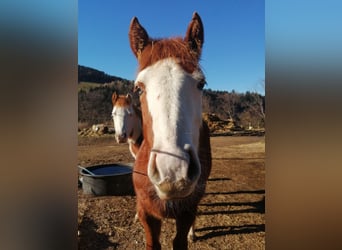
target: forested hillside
86 74
245 110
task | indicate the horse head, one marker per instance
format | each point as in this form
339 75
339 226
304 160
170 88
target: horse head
170 83
122 114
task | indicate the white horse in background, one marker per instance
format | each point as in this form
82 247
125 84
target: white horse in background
127 122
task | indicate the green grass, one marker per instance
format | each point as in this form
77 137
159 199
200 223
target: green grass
86 86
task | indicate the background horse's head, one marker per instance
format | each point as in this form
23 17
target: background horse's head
170 84
122 116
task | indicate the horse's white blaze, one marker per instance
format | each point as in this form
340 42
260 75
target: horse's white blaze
123 124
175 105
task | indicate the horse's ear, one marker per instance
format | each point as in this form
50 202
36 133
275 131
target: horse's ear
114 98
138 37
195 34
129 98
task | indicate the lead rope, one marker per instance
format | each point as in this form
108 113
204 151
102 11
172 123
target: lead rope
138 172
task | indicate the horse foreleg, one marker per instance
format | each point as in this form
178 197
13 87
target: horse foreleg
183 224
152 227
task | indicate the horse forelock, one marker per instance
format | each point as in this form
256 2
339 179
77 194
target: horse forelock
122 101
176 48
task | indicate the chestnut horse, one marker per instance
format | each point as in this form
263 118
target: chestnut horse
174 160
127 122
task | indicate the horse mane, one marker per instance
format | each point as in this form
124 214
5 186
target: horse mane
177 48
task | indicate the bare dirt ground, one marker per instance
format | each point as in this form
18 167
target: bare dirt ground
230 216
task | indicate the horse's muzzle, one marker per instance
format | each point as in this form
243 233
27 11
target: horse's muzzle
122 138
174 176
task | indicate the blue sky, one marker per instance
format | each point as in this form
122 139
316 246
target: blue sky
233 55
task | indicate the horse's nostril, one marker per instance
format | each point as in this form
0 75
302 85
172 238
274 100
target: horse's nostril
194 168
122 136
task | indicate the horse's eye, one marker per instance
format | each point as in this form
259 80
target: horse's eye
201 83
139 88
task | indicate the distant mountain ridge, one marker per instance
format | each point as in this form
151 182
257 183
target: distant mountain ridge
87 74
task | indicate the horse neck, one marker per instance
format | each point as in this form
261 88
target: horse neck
137 128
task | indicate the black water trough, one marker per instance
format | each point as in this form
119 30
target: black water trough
109 179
